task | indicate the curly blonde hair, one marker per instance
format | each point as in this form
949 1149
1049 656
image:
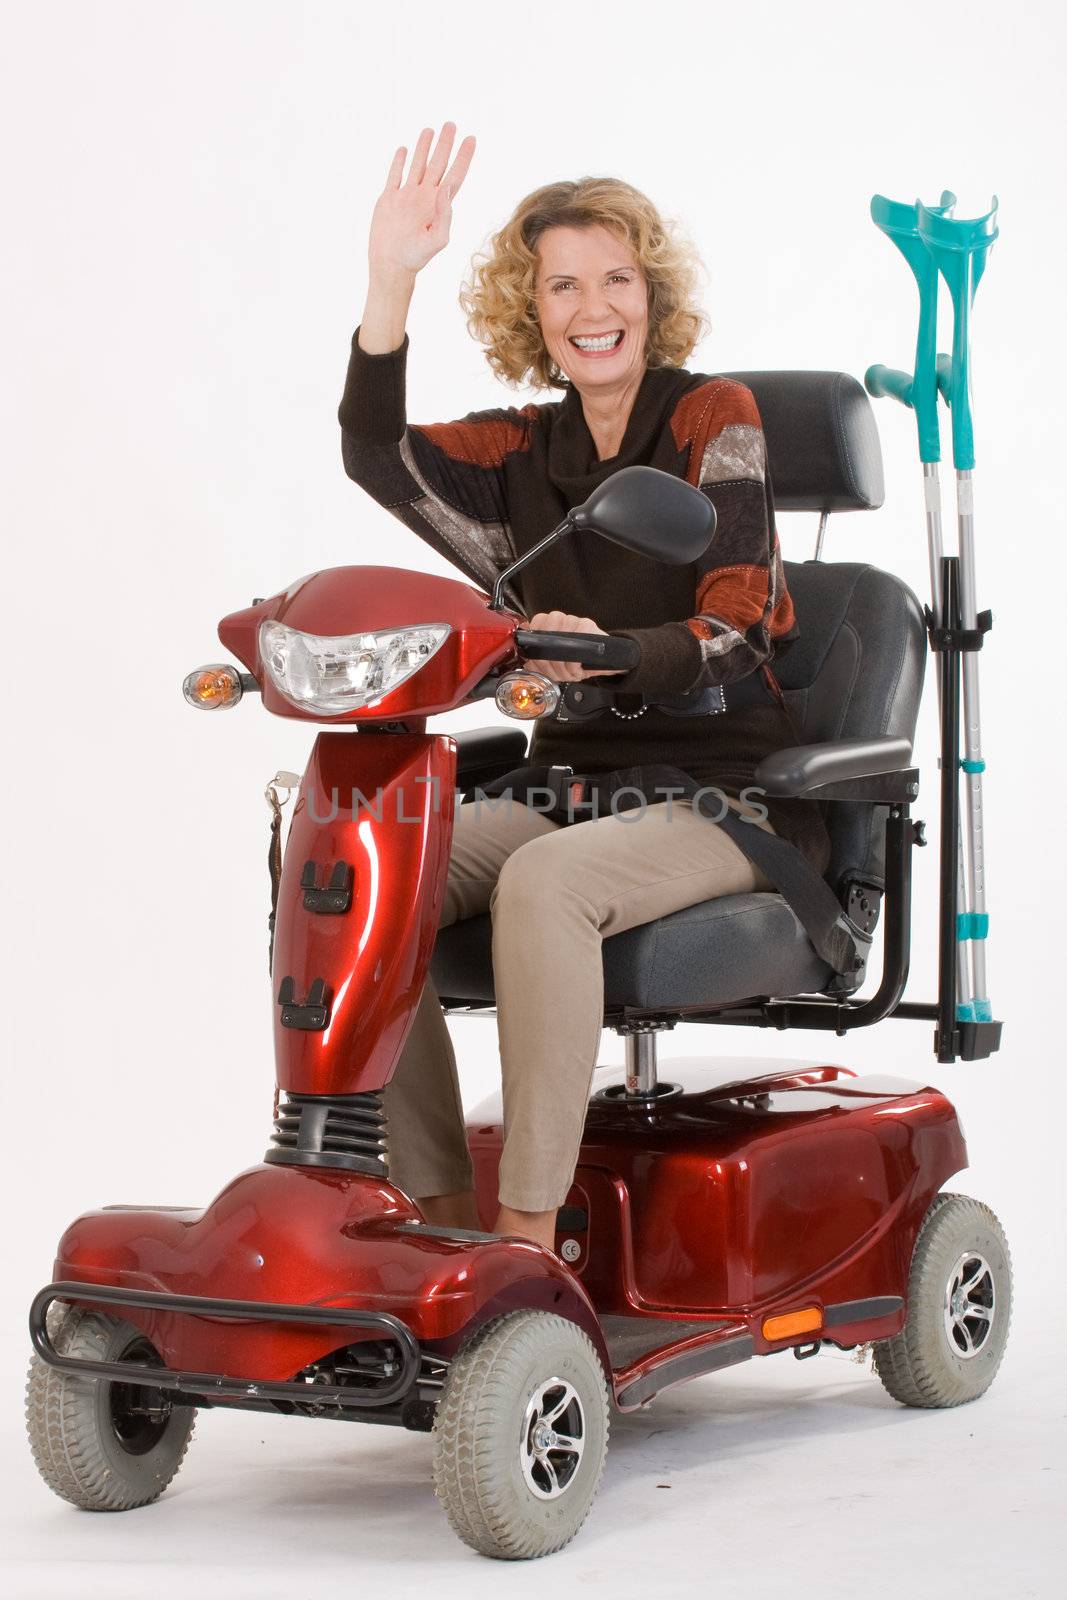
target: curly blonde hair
499 297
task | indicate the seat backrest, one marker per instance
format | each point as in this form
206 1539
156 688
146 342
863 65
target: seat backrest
823 451
856 671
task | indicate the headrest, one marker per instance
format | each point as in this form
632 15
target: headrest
822 440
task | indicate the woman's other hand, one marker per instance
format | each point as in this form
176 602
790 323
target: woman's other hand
412 218
567 671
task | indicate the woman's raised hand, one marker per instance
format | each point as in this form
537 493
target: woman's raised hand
413 216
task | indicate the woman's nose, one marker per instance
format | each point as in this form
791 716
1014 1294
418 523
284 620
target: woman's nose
596 304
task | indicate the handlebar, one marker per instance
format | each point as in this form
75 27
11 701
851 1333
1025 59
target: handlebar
588 649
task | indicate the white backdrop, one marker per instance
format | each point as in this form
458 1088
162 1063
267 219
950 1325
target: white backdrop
187 193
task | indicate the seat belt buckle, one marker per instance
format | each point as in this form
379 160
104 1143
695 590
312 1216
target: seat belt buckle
558 783
568 792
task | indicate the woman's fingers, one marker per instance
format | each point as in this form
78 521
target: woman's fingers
558 671
563 622
396 169
442 151
445 191
432 167
417 170
459 168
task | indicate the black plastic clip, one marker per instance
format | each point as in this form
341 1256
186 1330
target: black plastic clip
969 1041
979 1040
962 639
804 1352
309 1017
335 897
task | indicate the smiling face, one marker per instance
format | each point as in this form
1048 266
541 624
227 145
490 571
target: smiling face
592 302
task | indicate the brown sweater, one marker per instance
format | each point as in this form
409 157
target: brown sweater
486 488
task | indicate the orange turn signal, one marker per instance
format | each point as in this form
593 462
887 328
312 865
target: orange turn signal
526 695
213 688
793 1322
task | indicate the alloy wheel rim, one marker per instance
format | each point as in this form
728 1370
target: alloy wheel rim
139 1415
552 1440
970 1305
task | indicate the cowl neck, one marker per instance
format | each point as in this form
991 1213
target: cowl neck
573 466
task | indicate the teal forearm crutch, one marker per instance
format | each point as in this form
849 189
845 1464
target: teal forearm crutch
919 391
933 241
961 251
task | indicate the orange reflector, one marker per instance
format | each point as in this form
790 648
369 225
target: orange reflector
793 1322
526 695
213 688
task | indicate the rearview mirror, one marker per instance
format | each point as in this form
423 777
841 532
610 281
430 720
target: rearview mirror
652 512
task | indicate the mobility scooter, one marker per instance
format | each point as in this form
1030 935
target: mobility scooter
719 1211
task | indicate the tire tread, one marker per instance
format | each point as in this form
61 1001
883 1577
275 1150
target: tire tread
63 1437
905 1362
474 1498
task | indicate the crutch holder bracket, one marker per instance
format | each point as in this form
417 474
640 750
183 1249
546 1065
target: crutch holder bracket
310 1015
334 898
970 1041
962 639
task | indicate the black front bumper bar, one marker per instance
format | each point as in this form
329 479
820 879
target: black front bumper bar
214 1385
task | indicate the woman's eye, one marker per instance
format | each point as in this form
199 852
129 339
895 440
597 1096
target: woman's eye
616 277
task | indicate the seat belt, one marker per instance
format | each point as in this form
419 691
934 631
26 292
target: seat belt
836 939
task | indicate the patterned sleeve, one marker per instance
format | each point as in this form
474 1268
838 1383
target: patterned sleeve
743 614
444 481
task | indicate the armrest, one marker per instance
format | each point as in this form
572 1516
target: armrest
842 769
486 753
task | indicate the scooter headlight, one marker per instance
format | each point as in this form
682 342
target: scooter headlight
346 673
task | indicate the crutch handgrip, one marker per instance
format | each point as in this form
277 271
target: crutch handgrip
882 382
899 222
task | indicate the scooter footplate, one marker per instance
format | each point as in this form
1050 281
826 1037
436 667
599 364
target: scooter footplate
630 1339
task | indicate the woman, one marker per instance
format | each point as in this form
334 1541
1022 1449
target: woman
585 290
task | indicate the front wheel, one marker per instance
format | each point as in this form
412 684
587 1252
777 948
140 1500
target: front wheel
959 1308
102 1445
521 1435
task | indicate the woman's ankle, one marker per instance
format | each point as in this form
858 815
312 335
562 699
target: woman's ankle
540 1226
457 1210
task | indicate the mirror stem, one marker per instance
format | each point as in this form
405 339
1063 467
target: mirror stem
497 602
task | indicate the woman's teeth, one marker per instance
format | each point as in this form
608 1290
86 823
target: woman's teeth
606 341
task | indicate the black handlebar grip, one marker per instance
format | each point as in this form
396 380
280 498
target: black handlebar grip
588 649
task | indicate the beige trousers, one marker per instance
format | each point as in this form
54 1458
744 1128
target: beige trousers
554 892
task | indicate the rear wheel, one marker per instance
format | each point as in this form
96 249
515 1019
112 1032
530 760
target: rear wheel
959 1308
521 1436
102 1445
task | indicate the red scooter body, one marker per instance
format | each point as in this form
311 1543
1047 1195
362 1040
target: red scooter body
754 1193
